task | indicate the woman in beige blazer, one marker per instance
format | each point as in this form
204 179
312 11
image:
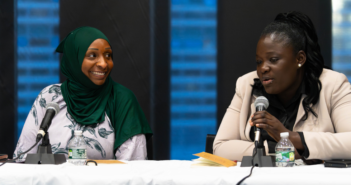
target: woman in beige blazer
313 104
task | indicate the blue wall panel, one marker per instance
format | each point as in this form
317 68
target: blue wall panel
37 39
342 36
193 75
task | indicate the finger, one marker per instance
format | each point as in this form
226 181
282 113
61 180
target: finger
262 114
259 115
261 120
263 126
250 121
266 114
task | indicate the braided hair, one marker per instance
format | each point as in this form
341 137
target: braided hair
297 30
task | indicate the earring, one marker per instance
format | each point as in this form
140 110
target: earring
299 65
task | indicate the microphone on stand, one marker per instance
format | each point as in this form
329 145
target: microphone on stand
261 104
44 153
259 157
52 109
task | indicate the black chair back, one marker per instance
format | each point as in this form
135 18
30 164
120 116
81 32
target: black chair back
209 143
150 149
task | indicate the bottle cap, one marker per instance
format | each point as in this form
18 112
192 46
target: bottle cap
78 133
284 134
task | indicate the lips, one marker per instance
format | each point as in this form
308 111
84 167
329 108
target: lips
267 80
98 75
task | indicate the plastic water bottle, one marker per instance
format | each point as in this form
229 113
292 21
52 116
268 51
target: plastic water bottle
284 151
77 149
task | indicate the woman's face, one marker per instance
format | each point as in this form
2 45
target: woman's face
277 66
97 63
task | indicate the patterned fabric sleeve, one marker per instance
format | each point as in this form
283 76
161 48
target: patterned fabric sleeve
133 149
31 127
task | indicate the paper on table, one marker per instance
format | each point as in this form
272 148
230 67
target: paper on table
103 162
205 162
207 159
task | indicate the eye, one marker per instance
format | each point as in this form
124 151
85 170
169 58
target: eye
108 55
91 55
274 59
258 62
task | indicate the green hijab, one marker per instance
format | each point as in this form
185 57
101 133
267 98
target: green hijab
88 102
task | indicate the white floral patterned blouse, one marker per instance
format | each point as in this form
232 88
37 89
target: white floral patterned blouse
99 137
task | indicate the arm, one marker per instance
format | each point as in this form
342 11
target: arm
228 142
132 149
327 145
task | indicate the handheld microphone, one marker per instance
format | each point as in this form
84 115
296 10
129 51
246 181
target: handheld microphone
52 109
261 103
259 157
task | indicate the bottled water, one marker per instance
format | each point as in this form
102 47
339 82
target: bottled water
77 149
284 151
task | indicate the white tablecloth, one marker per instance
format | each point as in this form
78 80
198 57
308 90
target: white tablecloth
168 173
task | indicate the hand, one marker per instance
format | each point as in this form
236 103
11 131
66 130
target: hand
269 123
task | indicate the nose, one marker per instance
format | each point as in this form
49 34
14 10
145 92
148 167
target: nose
264 67
102 63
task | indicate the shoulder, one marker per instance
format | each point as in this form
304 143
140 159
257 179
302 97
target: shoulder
335 86
245 82
247 79
51 90
330 75
48 94
332 79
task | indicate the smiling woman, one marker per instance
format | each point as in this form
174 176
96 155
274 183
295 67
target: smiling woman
305 99
97 63
108 114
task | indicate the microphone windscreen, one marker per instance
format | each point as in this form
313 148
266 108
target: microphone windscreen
54 106
261 100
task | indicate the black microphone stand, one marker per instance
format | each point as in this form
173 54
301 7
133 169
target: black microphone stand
259 157
44 154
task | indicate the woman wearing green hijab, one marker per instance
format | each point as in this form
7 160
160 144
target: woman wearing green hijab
108 114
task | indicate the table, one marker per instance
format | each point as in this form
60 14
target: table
168 173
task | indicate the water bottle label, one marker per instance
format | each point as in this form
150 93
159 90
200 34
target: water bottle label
77 154
288 156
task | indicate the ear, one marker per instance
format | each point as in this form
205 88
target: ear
301 58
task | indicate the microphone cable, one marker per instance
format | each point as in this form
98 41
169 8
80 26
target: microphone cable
20 154
252 162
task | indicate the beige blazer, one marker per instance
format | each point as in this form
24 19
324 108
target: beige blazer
327 137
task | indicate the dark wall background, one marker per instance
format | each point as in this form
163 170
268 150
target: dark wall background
139 33
160 77
8 79
127 25
240 23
